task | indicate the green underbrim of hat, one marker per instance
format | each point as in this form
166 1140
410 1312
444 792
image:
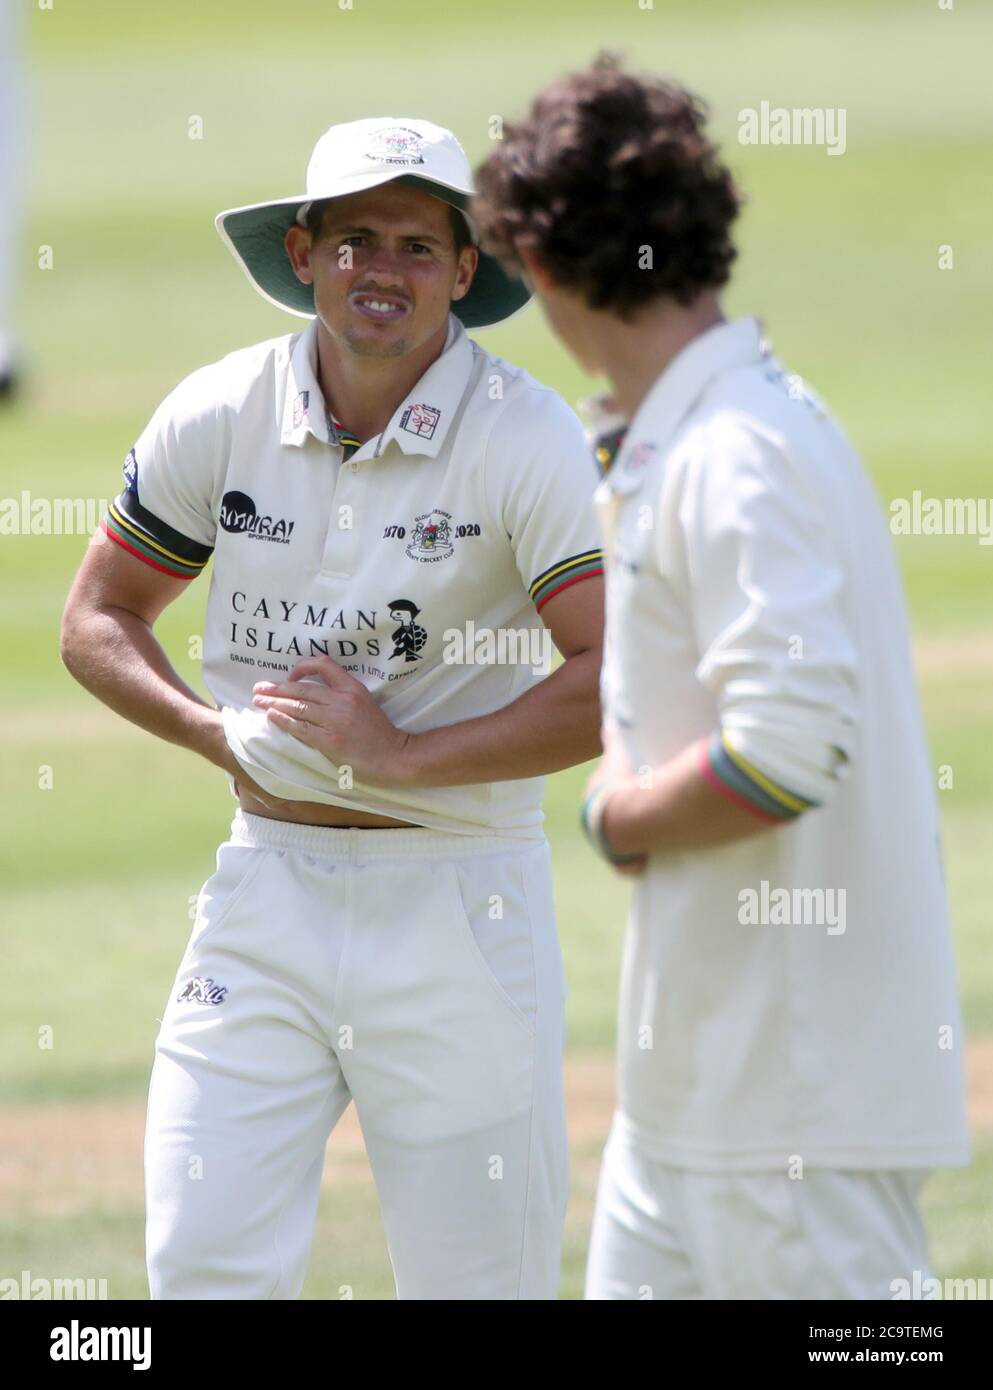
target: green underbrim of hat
256 235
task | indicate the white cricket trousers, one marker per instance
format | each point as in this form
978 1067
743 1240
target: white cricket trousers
415 972
673 1233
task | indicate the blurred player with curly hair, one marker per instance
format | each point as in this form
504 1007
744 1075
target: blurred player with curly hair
789 1036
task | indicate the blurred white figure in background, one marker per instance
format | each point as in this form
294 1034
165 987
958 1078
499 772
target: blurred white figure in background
12 170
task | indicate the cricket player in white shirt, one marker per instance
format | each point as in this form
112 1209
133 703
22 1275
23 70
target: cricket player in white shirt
790 1047
13 166
376 492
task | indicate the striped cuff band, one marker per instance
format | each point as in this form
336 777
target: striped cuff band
731 774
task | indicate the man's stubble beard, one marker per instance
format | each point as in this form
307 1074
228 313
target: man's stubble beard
362 347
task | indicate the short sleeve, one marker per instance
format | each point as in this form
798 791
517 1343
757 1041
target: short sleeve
540 477
165 513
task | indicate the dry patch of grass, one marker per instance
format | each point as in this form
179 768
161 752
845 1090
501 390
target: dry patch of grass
64 1159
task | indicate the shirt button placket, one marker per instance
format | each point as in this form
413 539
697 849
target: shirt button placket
342 538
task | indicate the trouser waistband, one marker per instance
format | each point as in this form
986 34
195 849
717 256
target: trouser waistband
332 842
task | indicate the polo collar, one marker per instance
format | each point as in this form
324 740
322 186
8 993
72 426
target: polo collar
719 349
303 403
420 423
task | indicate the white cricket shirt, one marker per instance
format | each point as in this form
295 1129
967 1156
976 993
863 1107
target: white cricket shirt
467 514
793 995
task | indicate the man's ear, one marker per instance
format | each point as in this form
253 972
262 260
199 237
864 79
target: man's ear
298 243
468 264
536 275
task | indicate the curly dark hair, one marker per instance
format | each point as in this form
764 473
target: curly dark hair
605 167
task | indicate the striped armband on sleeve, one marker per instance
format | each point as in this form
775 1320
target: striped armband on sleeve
731 774
567 572
143 535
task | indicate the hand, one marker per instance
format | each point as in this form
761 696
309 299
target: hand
337 715
616 825
212 743
614 763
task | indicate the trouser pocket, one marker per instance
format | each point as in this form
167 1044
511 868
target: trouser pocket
491 917
236 871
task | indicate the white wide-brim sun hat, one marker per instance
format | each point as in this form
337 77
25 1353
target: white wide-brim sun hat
350 158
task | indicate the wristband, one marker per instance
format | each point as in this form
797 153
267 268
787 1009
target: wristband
591 818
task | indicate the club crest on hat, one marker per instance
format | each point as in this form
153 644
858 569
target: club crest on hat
362 155
396 145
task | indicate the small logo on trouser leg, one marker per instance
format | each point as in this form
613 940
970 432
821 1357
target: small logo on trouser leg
202 991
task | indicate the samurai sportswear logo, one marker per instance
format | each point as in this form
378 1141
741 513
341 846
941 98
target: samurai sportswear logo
131 473
238 513
201 991
397 145
432 538
421 420
409 639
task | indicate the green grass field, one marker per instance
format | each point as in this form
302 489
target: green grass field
839 256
